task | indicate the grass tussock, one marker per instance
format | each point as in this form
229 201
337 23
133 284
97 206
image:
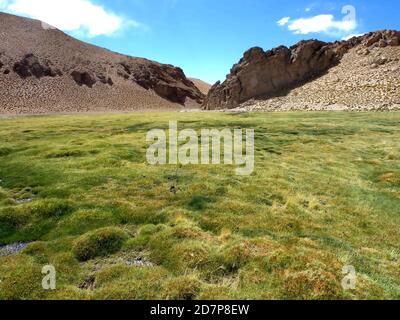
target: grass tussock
98 243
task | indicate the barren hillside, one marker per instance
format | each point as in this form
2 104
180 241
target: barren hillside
204 87
43 70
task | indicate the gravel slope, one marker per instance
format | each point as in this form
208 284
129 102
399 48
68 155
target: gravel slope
43 70
365 79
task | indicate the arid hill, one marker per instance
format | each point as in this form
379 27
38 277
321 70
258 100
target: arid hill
43 70
204 87
362 73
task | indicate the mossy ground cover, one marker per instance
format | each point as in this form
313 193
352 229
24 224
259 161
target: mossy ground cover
325 193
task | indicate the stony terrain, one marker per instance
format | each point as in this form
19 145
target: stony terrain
359 74
12 248
43 70
364 88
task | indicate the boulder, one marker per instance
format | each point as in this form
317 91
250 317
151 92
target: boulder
83 78
105 79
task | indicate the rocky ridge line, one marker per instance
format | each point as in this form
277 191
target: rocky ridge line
275 72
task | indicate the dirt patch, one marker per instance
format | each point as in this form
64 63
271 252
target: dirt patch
89 283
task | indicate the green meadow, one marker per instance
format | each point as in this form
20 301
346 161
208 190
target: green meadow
325 194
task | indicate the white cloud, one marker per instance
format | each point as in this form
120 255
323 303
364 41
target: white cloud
323 23
79 16
352 35
284 21
311 6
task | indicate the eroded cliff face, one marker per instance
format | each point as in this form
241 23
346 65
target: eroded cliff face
272 73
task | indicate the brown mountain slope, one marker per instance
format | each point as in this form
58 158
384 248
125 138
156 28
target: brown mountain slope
204 87
44 70
361 73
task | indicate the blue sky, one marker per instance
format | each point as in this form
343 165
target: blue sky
206 37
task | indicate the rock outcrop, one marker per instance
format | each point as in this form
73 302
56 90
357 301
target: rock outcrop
83 78
277 71
167 81
30 65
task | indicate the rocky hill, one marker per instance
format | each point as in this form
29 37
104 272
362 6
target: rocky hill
361 73
43 70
